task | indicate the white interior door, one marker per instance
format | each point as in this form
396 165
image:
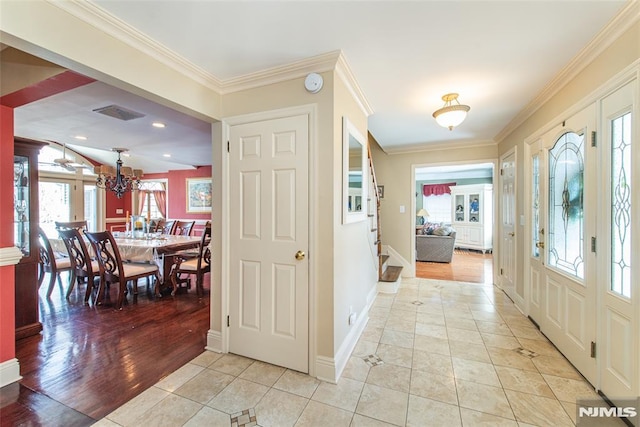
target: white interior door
268 289
619 336
568 293
508 219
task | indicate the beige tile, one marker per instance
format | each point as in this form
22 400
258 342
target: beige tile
178 378
383 404
372 334
130 411
435 331
171 411
279 409
432 362
432 386
297 383
462 350
523 381
238 396
390 376
486 316
395 355
437 413
569 390
357 369
401 339
317 414
208 417
431 318
343 395
479 372
529 333
504 357
483 398
204 386
459 323
571 409
362 421
456 334
538 410
231 364
400 325
543 348
432 345
364 348
206 358
262 373
556 366
458 313
500 341
472 418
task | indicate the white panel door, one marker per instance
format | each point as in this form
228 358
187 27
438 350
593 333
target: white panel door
619 337
508 219
268 289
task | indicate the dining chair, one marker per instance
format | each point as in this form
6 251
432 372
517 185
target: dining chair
84 267
113 270
183 228
167 227
49 263
78 225
197 266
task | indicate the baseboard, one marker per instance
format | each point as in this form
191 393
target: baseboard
9 372
214 341
326 369
396 259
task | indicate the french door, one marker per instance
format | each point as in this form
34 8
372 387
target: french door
583 241
66 200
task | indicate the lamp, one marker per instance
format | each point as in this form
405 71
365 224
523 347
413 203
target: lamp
451 115
421 214
120 180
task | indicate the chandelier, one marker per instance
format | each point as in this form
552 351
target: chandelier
119 180
451 115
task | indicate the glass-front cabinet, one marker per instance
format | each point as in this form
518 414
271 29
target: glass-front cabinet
473 216
21 203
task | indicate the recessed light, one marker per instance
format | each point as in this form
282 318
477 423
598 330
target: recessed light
81 137
126 154
158 125
166 155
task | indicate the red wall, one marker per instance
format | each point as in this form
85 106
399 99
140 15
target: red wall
178 190
7 273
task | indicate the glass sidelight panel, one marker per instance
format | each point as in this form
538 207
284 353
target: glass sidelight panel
566 219
621 191
535 206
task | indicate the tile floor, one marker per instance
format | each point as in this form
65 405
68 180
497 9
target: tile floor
437 353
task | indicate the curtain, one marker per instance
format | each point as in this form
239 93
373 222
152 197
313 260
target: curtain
160 197
142 196
437 189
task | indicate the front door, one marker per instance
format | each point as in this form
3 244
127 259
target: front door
268 238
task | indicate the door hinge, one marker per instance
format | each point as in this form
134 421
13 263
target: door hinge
501 272
593 349
501 172
594 142
227 146
228 324
593 245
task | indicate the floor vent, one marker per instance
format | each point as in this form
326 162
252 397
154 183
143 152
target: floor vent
119 113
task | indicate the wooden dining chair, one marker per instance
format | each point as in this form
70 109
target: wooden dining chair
168 226
113 270
183 228
78 225
197 266
84 267
49 263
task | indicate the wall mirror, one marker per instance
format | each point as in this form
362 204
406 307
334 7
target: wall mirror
354 174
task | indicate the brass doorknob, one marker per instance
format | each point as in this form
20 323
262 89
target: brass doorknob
512 234
299 255
540 245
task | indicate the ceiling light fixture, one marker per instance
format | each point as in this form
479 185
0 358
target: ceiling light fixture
451 115
81 137
120 180
158 125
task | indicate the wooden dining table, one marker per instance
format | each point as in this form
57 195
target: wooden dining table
153 249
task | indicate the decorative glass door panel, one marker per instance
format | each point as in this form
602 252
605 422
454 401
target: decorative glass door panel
21 203
459 214
535 206
566 210
474 207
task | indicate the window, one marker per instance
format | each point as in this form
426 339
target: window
153 197
439 208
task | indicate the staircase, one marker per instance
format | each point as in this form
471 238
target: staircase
386 273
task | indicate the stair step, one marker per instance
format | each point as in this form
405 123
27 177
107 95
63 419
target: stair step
383 258
391 274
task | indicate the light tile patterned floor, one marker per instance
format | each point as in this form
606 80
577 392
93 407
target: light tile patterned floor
435 354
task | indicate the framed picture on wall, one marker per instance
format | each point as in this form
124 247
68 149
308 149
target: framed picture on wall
199 195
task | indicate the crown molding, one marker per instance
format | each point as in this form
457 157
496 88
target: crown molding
98 18
626 18
438 146
343 70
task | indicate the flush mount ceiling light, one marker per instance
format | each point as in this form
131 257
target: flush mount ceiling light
452 113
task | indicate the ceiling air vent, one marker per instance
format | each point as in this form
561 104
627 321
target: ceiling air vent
118 112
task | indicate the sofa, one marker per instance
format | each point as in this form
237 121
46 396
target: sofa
434 248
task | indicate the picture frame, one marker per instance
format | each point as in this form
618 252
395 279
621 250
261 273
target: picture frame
199 195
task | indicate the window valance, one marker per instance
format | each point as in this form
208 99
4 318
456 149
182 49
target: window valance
437 189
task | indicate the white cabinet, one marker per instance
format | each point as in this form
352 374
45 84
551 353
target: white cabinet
473 216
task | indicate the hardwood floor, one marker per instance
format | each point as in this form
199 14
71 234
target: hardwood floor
466 266
90 360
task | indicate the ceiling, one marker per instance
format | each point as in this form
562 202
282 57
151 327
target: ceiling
498 55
